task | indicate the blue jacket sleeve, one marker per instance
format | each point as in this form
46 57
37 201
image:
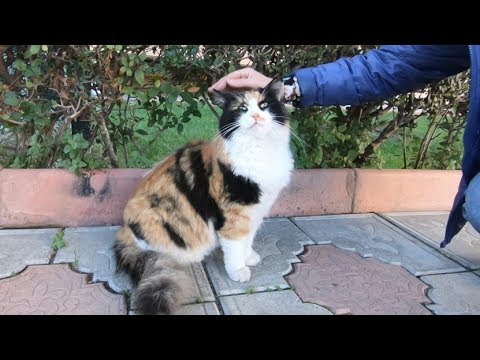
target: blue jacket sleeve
380 74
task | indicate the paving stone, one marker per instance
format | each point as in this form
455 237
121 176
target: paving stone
57 290
430 228
277 242
371 236
200 286
283 302
477 273
454 294
208 308
199 309
346 283
19 248
91 248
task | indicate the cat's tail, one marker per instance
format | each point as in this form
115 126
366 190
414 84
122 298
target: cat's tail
157 277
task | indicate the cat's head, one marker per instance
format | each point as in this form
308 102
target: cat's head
257 113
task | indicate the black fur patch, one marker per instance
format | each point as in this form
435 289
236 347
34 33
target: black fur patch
198 196
177 239
230 114
167 202
275 107
133 261
137 230
154 200
240 189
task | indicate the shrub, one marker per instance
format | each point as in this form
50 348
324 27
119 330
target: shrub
78 106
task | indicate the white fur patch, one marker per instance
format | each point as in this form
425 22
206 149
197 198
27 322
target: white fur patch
261 153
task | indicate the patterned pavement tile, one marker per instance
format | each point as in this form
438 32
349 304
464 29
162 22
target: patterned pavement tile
454 294
429 227
345 283
57 290
283 302
371 236
91 249
20 248
277 242
199 309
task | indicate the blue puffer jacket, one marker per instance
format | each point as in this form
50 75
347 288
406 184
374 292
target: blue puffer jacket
396 69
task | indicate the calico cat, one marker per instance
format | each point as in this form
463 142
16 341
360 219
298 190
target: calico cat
207 194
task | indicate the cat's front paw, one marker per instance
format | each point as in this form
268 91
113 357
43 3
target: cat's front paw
253 259
241 275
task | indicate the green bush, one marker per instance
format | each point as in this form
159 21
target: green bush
82 107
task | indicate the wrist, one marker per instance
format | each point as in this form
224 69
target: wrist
292 90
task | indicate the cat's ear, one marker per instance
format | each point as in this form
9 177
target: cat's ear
218 98
276 88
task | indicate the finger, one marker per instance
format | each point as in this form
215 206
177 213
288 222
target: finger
221 84
247 83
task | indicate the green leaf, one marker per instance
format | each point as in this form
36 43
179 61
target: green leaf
140 76
127 89
142 96
45 48
157 83
11 98
153 91
129 72
41 121
27 54
20 65
342 128
110 47
180 128
142 56
34 49
123 70
29 84
67 149
124 60
118 47
141 132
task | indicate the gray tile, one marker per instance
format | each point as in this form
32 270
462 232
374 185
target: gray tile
91 248
477 273
193 309
451 294
201 290
277 242
430 228
19 248
199 309
283 302
371 236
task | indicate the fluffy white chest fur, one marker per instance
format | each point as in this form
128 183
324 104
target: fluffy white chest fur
266 161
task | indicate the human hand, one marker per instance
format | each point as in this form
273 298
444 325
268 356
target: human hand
244 79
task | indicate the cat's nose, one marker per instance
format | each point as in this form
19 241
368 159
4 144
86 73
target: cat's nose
257 117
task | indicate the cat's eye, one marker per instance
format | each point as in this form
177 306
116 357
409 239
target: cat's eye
263 105
242 108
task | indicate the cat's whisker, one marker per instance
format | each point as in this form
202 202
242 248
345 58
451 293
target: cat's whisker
294 134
